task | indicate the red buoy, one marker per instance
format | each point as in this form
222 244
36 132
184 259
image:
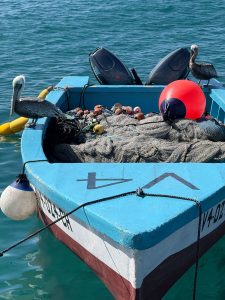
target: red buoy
182 99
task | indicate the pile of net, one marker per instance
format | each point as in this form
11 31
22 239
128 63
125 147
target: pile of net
126 139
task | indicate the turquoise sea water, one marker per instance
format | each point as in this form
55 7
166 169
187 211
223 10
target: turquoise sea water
46 40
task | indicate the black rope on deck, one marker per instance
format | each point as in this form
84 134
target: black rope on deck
140 193
82 102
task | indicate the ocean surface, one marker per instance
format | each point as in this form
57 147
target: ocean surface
46 40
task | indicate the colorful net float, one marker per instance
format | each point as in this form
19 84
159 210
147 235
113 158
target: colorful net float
98 129
139 116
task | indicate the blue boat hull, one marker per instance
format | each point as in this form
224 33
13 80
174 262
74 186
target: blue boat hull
139 246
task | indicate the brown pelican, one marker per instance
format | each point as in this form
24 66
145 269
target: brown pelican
201 71
31 107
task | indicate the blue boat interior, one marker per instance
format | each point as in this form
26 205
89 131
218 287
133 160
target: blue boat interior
131 221
145 96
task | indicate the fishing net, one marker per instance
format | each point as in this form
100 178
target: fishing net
150 140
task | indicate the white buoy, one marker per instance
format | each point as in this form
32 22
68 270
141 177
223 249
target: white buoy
18 201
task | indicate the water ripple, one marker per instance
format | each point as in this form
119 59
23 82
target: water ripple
46 40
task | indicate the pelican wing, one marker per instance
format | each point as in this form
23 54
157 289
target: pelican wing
203 70
209 70
37 109
29 98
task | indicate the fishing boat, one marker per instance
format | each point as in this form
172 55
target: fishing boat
140 226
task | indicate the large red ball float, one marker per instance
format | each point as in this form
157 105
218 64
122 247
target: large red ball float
182 99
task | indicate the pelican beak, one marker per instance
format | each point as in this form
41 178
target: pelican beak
15 97
12 108
13 100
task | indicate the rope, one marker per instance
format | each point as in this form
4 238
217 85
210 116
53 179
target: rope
67 131
67 97
64 216
82 102
198 204
140 193
66 90
31 161
110 255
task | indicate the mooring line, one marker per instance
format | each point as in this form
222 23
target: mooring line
64 216
31 161
140 193
110 255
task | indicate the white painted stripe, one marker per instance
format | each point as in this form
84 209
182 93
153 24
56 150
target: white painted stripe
135 265
112 256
